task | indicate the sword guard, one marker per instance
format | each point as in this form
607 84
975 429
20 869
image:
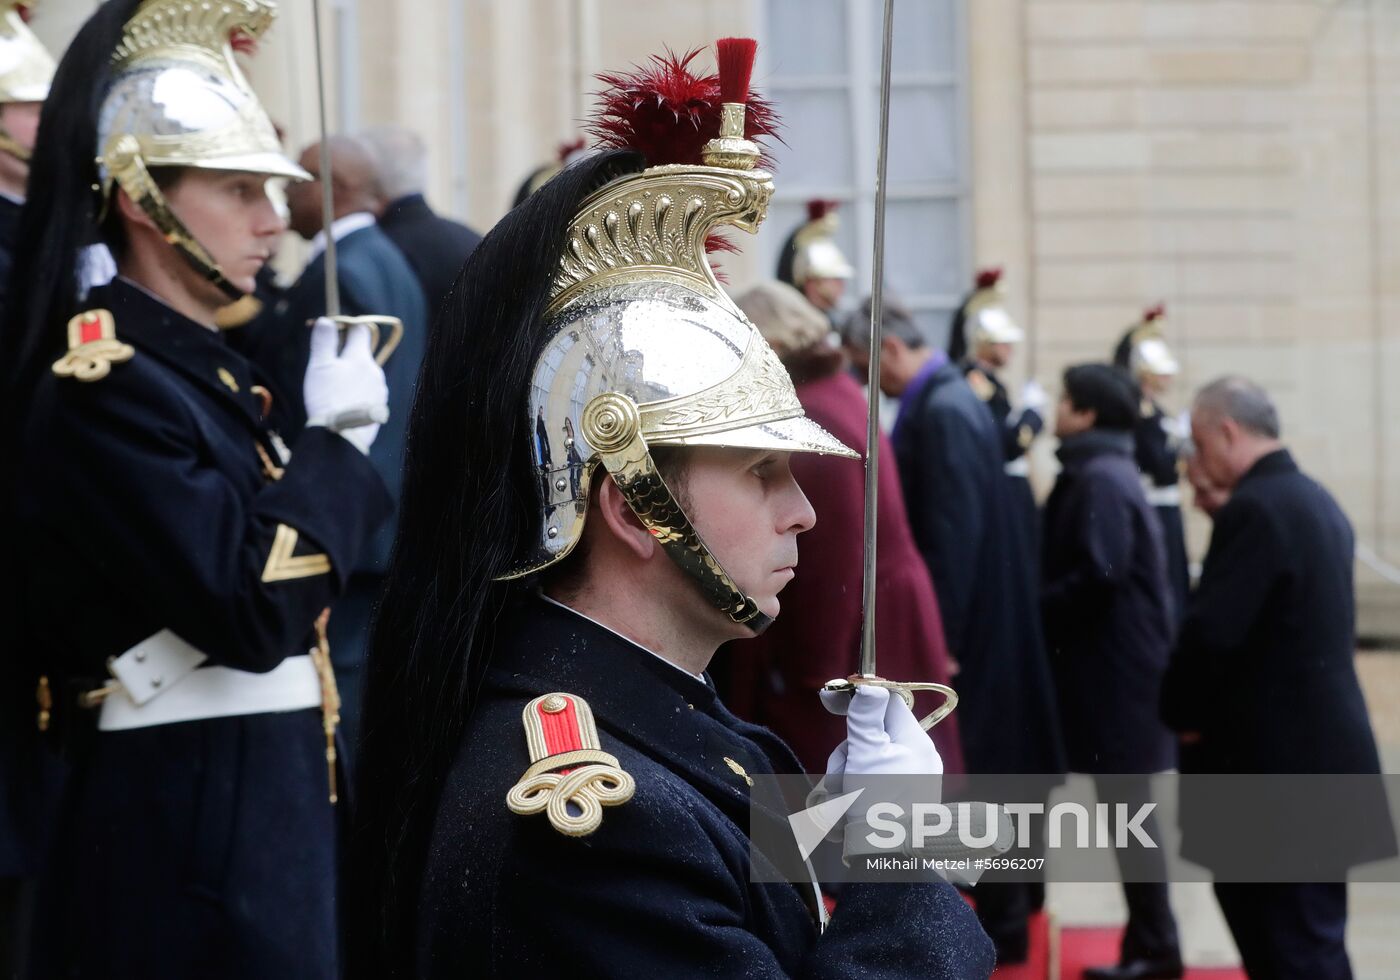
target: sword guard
393 323
906 691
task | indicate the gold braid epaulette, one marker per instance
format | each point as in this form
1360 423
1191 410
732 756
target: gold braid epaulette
561 735
93 347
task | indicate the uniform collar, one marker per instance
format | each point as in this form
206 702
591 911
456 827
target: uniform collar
155 328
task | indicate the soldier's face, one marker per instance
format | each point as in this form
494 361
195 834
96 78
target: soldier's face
749 510
231 215
824 294
997 355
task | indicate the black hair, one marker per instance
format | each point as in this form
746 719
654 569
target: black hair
1106 390
468 508
957 330
787 258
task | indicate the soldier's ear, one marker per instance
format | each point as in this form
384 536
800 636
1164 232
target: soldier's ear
131 212
619 522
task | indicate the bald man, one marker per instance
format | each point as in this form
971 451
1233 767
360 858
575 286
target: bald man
374 277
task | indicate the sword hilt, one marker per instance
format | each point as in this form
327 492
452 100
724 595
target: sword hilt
905 690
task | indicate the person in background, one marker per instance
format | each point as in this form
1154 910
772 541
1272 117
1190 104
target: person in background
1263 678
773 679
436 247
374 277
26 69
982 340
1108 628
952 471
812 262
1158 438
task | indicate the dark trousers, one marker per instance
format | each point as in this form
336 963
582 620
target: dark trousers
1151 930
1287 931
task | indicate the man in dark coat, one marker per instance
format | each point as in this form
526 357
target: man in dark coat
1263 679
374 278
436 247
1107 625
951 469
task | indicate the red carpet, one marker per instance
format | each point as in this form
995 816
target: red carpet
1038 963
1095 947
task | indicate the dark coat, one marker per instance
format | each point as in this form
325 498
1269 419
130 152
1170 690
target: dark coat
1107 615
146 506
773 679
436 247
1264 668
374 278
9 224
1157 456
662 888
1018 430
951 469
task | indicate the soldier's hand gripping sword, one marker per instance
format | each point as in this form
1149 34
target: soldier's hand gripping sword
393 324
867 675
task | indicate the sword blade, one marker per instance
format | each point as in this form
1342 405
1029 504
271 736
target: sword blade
324 164
877 295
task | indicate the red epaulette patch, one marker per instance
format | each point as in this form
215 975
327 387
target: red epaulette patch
93 347
570 777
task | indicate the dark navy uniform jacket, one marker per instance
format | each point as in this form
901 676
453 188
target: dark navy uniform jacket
1157 457
1016 434
202 848
662 888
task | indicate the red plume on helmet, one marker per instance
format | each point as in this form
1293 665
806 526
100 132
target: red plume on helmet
988 278
819 208
1153 313
667 112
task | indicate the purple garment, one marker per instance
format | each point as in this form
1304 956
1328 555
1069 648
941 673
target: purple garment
915 390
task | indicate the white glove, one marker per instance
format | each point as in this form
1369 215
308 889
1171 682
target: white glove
346 391
883 742
1033 396
883 738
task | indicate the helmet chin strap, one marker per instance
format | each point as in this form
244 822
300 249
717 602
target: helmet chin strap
612 426
14 147
125 166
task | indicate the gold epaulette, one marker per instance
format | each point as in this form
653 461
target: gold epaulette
561 735
93 347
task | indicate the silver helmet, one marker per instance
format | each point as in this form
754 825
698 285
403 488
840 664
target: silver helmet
648 350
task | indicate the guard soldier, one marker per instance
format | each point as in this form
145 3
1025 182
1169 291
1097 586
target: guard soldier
812 262
981 340
551 785
26 69
1158 440
177 557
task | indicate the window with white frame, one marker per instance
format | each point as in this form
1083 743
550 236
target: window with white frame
820 64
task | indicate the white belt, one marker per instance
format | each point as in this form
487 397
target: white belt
1164 496
1020 466
218 692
